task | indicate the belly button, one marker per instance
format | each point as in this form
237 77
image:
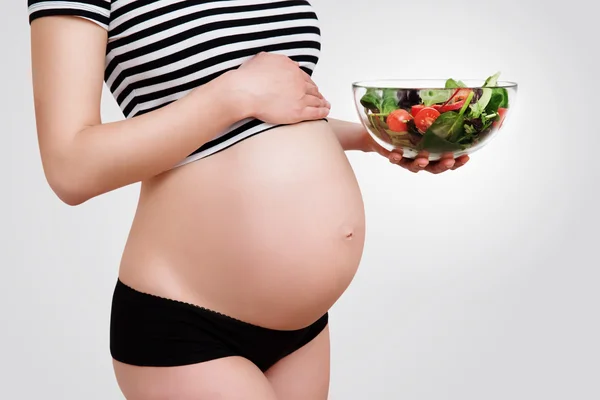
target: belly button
348 233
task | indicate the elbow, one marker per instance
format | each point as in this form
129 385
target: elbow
68 186
71 196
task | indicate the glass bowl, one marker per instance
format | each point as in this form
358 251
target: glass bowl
433 117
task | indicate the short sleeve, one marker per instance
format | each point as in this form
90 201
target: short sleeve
97 11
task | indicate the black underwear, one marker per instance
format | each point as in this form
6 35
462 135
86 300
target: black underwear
148 330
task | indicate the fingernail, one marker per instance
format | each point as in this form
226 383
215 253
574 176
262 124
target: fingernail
449 164
422 164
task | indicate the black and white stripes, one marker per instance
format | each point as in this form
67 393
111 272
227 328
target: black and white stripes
159 50
97 11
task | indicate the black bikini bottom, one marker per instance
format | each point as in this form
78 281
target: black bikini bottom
148 330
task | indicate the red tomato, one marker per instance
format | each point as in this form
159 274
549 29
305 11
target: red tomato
416 109
397 120
425 118
456 102
502 114
461 96
451 107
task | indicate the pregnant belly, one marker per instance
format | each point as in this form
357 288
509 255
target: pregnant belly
270 231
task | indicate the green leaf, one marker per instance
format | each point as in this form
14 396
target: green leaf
390 101
442 125
450 125
452 84
482 103
371 100
492 80
469 129
432 96
433 143
504 93
388 106
499 99
457 129
389 93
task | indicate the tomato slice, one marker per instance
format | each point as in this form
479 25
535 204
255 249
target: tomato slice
425 118
502 114
452 107
397 120
416 109
461 96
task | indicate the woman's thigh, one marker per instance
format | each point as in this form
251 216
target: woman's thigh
229 378
304 374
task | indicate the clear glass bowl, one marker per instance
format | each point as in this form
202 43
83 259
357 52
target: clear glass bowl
425 117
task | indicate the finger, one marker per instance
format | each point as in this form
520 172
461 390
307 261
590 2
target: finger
460 161
407 164
395 156
314 101
418 164
442 165
309 113
313 90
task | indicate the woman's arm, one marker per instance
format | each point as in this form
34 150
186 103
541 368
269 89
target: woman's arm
351 135
83 158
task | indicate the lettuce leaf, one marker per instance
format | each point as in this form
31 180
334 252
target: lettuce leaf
432 96
452 84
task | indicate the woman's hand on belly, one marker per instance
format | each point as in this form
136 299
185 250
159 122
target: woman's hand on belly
278 91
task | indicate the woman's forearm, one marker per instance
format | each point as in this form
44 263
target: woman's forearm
351 135
105 157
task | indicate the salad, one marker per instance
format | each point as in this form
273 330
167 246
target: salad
437 120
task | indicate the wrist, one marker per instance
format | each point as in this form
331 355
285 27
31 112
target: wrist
240 102
365 142
361 140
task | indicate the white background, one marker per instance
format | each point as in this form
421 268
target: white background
476 284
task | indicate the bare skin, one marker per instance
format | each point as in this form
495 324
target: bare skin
304 374
269 231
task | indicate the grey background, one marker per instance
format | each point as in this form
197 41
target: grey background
477 284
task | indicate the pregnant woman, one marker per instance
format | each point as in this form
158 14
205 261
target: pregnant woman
250 222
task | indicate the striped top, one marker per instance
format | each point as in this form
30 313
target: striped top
159 50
